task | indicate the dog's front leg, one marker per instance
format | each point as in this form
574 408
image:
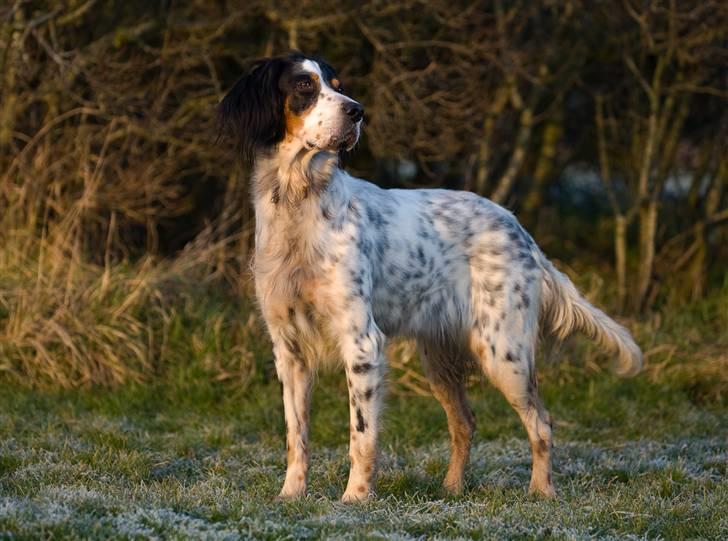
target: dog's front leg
362 347
295 377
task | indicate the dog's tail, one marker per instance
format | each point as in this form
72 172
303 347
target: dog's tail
564 310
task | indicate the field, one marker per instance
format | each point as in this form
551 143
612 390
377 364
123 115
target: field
138 397
187 457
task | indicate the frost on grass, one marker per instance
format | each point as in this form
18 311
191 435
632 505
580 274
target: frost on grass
695 459
71 484
165 523
72 494
26 511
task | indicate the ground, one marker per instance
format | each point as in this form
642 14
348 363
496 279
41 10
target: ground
632 459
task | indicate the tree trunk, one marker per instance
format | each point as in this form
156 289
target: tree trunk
699 265
483 161
9 63
552 133
620 259
647 203
506 182
648 230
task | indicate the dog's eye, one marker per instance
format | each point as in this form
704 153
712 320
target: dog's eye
304 84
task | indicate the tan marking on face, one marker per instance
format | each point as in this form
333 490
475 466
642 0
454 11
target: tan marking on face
294 122
335 83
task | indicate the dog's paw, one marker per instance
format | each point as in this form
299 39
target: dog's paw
452 487
360 493
293 488
545 491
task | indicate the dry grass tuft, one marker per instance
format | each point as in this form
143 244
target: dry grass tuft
67 321
106 166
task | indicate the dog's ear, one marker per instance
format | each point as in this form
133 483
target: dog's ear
252 112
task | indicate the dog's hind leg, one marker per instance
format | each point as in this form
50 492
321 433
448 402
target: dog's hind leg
509 365
447 381
295 377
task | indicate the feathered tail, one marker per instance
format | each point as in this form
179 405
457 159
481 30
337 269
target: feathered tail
564 311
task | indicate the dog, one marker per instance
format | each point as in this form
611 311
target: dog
340 265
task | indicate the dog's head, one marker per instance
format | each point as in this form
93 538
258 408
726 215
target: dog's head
291 98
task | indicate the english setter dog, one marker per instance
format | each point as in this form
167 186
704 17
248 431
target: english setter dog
341 264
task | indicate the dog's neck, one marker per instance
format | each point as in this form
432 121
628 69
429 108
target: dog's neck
294 188
291 173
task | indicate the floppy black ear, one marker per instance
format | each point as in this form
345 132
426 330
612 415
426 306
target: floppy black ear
252 112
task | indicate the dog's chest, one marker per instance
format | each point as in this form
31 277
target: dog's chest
296 296
296 267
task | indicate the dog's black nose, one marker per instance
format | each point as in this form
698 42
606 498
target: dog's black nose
354 111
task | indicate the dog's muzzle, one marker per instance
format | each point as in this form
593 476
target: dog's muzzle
354 111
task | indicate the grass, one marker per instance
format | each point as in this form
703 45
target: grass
632 459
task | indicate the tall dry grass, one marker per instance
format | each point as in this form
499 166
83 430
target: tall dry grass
123 226
77 305
67 320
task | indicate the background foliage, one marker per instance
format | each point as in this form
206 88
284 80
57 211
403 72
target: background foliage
125 225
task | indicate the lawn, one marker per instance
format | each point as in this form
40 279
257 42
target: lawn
632 459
